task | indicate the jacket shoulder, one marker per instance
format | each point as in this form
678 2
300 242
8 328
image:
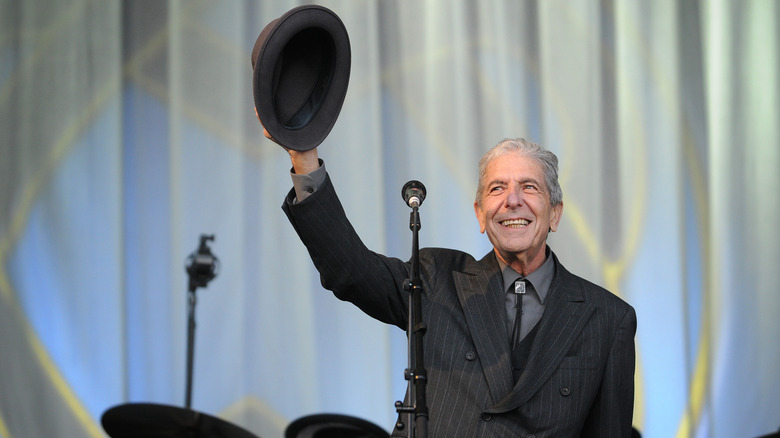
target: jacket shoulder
589 291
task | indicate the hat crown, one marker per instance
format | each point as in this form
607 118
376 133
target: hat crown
301 64
302 77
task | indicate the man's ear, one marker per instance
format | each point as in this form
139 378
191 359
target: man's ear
480 217
555 217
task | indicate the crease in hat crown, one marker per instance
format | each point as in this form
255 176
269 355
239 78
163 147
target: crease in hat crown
301 66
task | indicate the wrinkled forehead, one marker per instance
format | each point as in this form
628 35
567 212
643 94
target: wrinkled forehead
514 165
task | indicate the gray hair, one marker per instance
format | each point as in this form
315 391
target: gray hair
545 158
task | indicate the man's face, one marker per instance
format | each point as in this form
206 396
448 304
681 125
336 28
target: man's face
516 211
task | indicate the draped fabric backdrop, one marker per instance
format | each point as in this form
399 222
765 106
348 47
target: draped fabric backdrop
127 130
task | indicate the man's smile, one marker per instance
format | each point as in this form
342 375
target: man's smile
515 223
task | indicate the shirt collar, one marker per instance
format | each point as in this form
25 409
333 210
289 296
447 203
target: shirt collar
540 278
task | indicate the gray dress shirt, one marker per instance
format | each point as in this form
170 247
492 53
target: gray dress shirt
533 300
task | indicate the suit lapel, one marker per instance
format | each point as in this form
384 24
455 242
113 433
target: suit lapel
481 295
564 317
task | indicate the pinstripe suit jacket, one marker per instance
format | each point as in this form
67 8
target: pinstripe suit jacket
579 378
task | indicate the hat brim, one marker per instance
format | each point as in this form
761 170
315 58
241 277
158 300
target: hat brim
301 64
333 425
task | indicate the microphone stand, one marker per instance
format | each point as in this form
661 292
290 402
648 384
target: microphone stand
415 373
202 267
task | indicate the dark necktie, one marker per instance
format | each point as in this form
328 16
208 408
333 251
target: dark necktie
519 290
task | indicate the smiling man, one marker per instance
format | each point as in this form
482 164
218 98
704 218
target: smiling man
516 345
517 204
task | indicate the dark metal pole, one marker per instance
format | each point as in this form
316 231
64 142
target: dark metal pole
416 415
202 267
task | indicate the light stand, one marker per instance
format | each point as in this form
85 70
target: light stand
202 267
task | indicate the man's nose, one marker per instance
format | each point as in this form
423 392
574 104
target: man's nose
514 197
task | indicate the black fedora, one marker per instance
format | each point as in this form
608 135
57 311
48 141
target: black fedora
301 64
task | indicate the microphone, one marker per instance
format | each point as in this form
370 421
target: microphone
413 193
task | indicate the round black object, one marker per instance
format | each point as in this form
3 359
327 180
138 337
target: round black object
301 64
150 420
333 426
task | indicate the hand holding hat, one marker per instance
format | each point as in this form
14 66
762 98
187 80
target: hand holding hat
301 64
303 161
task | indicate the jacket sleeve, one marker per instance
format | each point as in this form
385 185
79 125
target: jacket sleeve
350 270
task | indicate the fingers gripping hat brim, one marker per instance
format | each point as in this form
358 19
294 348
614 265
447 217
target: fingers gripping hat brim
301 64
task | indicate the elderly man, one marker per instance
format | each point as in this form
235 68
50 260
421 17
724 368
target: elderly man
516 344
